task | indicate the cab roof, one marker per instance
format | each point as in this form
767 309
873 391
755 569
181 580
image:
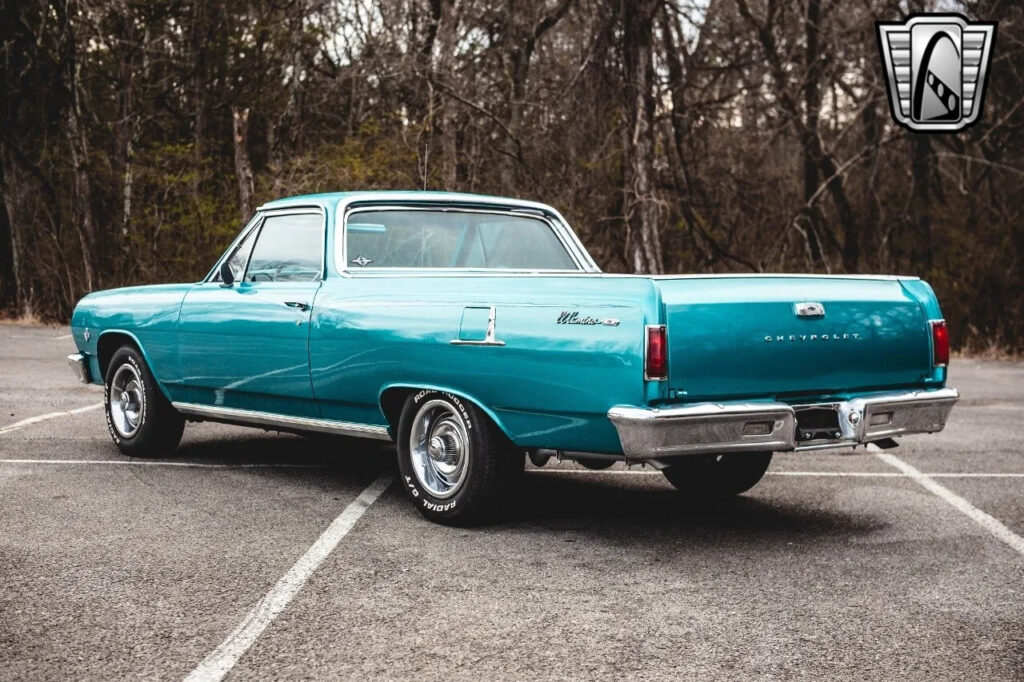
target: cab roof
330 200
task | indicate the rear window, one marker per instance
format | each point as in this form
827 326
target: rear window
452 239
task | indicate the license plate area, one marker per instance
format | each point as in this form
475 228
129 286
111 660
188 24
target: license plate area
817 423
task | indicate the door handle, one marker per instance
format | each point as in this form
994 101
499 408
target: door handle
300 305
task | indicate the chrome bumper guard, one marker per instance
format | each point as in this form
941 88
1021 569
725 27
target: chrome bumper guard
708 428
80 366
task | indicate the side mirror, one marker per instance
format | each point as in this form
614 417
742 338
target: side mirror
227 276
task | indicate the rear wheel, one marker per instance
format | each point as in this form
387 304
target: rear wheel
456 465
717 476
140 419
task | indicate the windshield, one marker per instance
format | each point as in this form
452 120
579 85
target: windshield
406 238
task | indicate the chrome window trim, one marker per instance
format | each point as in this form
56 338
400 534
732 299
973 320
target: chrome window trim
454 209
256 223
253 224
234 415
461 203
293 211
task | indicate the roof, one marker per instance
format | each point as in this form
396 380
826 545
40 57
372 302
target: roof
330 200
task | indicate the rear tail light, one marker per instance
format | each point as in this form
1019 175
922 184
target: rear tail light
940 343
656 355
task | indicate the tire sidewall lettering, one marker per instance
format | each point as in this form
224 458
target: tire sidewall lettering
428 502
129 358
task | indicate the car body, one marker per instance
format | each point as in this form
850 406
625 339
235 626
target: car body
345 306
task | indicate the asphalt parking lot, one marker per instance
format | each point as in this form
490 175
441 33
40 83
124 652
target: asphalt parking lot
835 566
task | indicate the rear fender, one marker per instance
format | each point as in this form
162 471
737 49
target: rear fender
391 415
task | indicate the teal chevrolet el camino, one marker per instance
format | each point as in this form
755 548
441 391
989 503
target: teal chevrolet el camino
475 330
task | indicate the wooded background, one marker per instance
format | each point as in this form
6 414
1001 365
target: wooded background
676 136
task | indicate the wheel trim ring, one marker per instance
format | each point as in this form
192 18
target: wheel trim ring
126 401
441 474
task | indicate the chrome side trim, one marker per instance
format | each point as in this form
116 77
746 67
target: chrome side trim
232 415
80 366
708 428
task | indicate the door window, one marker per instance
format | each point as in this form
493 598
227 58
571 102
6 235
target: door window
289 249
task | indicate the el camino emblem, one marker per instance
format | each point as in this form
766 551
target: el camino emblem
574 317
809 309
361 261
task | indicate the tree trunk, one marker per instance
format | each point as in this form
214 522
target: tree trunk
812 109
441 67
921 199
197 46
78 146
638 139
518 57
519 65
243 167
128 119
10 272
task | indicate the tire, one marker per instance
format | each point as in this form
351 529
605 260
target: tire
456 466
707 477
140 419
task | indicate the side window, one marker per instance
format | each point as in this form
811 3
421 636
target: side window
406 238
289 249
240 257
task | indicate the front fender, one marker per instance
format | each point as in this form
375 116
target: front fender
94 359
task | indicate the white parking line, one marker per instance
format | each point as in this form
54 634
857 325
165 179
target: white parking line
826 474
46 417
147 463
584 472
219 663
989 523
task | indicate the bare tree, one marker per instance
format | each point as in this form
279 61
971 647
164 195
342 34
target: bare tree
243 167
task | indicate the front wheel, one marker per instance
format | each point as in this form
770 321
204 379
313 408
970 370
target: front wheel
140 419
706 477
456 465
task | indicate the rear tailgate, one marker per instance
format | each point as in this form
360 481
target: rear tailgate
734 337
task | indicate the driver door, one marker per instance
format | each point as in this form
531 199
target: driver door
246 345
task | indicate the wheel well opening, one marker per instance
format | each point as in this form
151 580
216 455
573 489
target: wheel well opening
108 345
391 403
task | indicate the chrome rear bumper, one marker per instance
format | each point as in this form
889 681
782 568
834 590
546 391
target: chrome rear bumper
708 428
80 366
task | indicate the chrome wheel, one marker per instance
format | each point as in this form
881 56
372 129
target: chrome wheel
127 400
439 448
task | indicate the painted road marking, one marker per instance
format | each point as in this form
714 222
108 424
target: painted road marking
196 465
46 417
989 523
618 472
840 474
219 663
